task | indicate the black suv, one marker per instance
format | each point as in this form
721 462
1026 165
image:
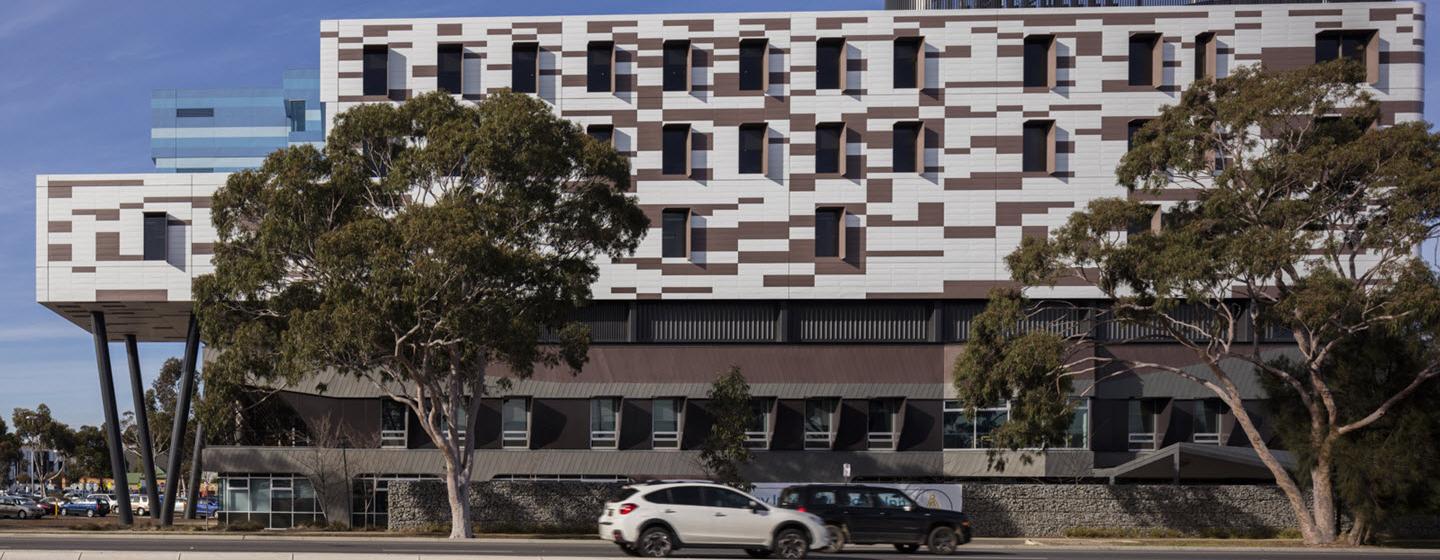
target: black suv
878 515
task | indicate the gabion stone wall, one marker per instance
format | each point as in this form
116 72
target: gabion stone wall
504 506
1048 510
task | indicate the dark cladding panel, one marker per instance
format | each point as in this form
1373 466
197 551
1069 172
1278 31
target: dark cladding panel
486 426
707 322
958 317
789 426
696 425
560 424
920 426
1108 425
861 322
852 433
635 424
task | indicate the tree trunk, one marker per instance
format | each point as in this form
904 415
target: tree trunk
1359 532
1310 528
1323 497
457 488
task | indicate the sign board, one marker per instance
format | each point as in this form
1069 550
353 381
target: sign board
847 471
934 496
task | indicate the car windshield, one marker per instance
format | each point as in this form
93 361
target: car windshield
26 502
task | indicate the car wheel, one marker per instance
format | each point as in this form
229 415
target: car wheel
942 541
656 542
791 544
140 512
907 548
89 513
627 549
837 539
24 514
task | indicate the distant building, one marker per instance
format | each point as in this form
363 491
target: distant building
223 130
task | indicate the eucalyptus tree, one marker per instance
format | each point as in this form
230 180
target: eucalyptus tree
1307 231
434 249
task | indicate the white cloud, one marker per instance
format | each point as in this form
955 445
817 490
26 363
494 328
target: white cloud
26 14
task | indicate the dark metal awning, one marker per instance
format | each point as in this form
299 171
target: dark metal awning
1193 461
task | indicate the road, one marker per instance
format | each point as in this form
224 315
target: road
17 545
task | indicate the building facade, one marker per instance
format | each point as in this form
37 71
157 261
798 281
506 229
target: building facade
831 197
224 130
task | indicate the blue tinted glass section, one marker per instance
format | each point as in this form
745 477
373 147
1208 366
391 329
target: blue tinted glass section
234 128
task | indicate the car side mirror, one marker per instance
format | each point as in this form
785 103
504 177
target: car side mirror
755 507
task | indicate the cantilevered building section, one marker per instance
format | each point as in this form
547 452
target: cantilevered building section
831 196
223 130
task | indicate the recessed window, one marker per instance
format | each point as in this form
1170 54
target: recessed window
602 133
830 148
675 150
600 67
665 415
1040 61
961 431
157 243
515 423
1205 55
1145 58
194 112
908 147
752 148
829 232
1131 130
676 60
882 423
375 80
1039 147
675 233
820 422
449 61
754 64
295 113
604 423
757 429
1206 426
394 424
909 63
1358 45
830 64
1150 223
525 67
1141 422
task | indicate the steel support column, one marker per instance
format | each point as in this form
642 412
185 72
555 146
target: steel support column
192 490
142 427
112 417
182 416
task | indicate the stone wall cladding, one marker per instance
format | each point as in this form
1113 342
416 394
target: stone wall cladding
1048 510
504 506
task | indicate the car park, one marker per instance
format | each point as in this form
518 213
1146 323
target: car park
109 500
86 506
20 508
51 505
856 514
656 519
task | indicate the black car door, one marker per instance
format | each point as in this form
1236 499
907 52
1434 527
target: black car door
904 521
865 521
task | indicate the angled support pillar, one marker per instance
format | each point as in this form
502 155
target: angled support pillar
192 490
182 415
112 417
142 427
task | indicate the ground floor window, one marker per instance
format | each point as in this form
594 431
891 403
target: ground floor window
276 501
370 498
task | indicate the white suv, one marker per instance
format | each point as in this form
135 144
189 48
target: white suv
659 518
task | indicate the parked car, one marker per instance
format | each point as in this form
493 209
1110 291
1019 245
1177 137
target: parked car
87 506
109 500
20 507
856 514
51 505
657 519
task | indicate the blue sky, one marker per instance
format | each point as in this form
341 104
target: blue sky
76 91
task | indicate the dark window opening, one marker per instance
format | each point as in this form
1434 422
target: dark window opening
829 231
600 67
1144 59
1039 147
1149 223
448 72
907 147
675 150
1039 60
753 68
1132 129
675 233
376 80
1330 45
752 147
830 64
603 133
525 67
1205 55
677 66
907 62
157 228
295 113
193 112
830 148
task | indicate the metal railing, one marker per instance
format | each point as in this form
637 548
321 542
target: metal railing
1142 442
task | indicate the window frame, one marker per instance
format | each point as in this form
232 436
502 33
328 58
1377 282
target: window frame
1133 127
403 435
898 76
765 406
1048 159
609 129
685 233
508 438
916 157
517 77
605 84
687 150
1204 409
883 441
1050 62
155 249
761 167
840 60
667 82
669 439
605 439
764 70
1156 66
840 147
442 51
825 439
370 57
1142 440
1206 55
838 231
1370 57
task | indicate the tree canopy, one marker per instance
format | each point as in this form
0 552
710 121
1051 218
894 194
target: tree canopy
430 245
724 452
1287 211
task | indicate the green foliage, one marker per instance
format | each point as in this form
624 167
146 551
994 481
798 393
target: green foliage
9 449
724 453
38 429
91 456
431 245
